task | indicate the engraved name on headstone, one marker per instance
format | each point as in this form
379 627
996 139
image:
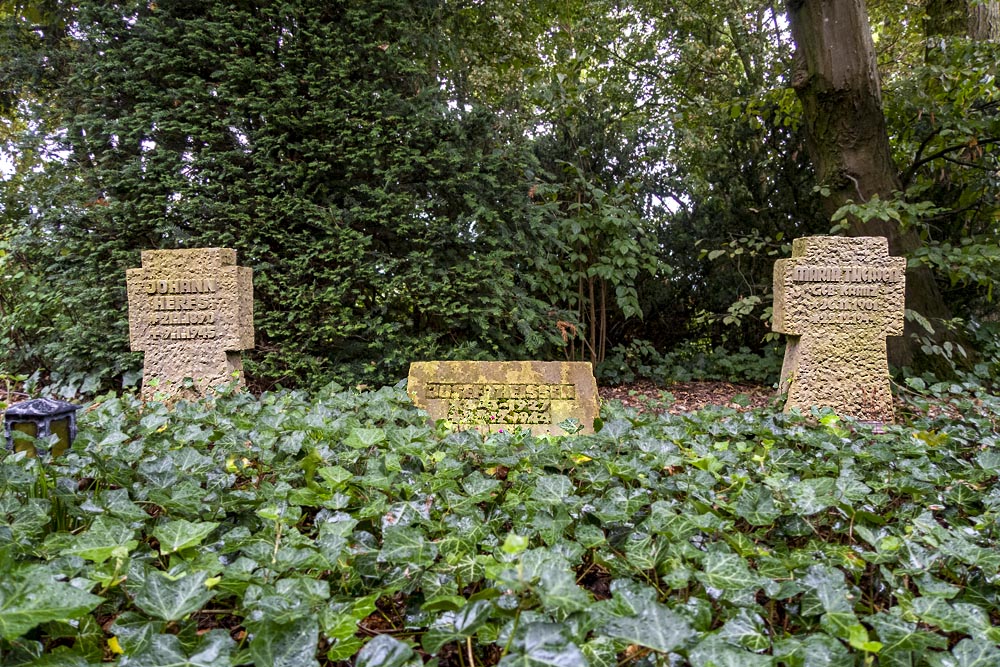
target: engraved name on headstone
191 312
837 299
491 396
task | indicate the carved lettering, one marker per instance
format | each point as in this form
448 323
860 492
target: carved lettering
191 302
491 404
493 391
182 286
206 332
848 274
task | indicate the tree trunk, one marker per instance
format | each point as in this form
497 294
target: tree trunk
979 20
837 82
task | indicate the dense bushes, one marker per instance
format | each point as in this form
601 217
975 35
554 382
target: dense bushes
382 224
400 190
428 178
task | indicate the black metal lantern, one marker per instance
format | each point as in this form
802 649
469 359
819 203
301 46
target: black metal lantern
40 418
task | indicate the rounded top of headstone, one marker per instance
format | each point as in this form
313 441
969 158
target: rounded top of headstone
40 408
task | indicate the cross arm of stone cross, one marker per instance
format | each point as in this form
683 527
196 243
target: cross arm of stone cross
836 282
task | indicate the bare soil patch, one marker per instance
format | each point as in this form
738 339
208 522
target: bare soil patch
684 397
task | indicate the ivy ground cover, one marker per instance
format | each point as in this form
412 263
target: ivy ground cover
342 529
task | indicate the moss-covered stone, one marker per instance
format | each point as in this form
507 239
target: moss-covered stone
837 299
191 312
492 396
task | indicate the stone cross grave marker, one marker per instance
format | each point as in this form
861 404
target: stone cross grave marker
491 396
191 312
837 299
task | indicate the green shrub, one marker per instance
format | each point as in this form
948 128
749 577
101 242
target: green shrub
640 360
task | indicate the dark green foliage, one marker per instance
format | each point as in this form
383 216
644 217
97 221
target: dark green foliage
639 360
414 179
735 172
298 529
407 179
947 126
383 224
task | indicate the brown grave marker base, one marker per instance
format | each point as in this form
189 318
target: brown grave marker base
491 396
837 299
190 311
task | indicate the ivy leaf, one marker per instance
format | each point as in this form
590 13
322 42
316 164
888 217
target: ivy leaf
557 590
542 645
825 591
340 619
478 487
407 546
960 617
931 586
335 476
28 600
898 635
173 598
727 571
385 651
118 504
514 544
843 625
967 653
363 438
455 625
714 652
290 645
553 489
182 534
989 460
814 650
653 625
747 630
345 648
105 538
810 496
601 652
756 505
214 650
135 632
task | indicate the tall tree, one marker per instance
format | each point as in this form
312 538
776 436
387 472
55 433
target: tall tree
836 78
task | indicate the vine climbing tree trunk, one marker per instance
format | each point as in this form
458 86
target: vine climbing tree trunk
837 81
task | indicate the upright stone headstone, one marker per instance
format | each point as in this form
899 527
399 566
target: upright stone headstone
837 299
491 396
191 312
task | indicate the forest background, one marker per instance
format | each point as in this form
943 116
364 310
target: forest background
457 179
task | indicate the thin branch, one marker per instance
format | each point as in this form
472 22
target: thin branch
966 164
942 153
923 145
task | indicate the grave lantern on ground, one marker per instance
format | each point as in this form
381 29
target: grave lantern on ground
40 418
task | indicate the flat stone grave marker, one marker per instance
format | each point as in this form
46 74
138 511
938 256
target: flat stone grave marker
837 299
191 312
492 396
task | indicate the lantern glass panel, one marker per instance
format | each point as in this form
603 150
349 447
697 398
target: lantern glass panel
61 428
29 429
